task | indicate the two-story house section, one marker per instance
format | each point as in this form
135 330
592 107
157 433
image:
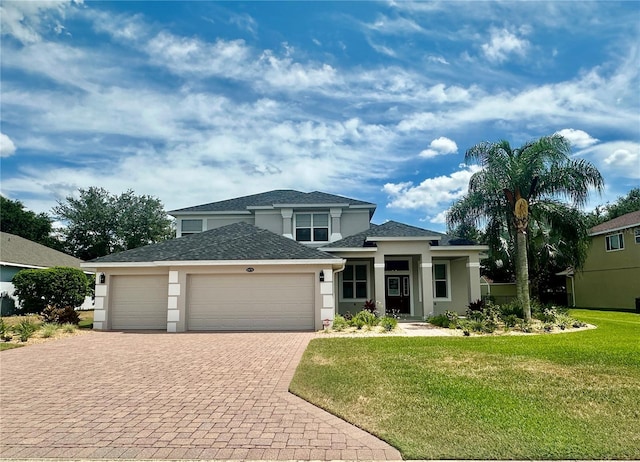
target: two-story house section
283 260
610 277
313 218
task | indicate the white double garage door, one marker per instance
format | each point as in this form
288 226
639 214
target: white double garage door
235 302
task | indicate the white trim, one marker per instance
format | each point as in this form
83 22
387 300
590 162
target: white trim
349 249
20 265
613 230
392 239
426 265
176 213
161 263
315 206
379 265
459 247
473 264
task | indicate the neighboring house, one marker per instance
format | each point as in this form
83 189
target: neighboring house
283 260
18 253
610 277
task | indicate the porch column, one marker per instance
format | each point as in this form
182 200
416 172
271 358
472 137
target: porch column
473 269
378 275
426 268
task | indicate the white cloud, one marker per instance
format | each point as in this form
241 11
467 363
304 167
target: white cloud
394 26
437 59
440 146
432 195
7 148
618 158
502 44
578 138
26 20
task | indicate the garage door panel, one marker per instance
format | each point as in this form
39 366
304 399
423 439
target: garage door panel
251 302
139 302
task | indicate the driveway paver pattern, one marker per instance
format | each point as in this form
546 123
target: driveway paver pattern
153 395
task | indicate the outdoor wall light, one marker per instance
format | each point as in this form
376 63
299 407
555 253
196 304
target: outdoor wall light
103 278
321 276
249 270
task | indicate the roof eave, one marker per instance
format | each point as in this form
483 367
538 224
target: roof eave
613 230
403 238
161 263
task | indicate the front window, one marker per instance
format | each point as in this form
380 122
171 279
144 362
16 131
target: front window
637 235
441 281
615 242
354 282
312 227
191 227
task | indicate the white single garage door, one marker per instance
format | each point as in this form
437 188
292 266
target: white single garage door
251 302
139 302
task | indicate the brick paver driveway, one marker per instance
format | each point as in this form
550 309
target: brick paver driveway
168 396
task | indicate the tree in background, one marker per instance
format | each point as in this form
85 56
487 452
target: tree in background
99 223
15 219
622 206
522 187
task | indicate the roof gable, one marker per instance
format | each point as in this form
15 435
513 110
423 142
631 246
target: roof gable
627 220
271 198
21 251
237 241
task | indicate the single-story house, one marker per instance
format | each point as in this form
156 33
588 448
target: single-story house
611 272
18 253
282 260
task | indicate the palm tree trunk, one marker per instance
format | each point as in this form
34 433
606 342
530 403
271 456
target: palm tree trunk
522 274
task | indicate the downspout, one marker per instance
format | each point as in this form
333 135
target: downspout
573 292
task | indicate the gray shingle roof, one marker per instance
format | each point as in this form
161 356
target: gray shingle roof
624 221
395 229
21 251
237 241
279 196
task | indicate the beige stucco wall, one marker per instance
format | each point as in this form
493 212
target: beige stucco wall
269 219
609 279
354 221
218 222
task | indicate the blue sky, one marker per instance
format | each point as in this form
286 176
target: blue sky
195 102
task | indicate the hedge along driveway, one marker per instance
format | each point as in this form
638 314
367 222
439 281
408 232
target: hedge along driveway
156 395
555 396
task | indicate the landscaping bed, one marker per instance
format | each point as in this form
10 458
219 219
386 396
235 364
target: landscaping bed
17 331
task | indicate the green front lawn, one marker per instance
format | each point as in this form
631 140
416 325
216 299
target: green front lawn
555 396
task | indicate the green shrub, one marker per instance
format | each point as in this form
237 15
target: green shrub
510 320
547 315
512 308
339 323
439 320
49 329
60 315
7 305
5 334
57 287
388 323
25 329
69 328
365 318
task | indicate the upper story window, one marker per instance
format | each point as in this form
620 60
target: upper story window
190 227
614 242
312 227
637 232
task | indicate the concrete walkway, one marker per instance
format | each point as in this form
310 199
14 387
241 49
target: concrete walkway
112 395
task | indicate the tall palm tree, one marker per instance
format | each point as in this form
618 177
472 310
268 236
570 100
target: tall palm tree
518 185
